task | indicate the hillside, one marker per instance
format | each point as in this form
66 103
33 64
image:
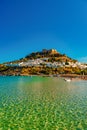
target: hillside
47 55
46 62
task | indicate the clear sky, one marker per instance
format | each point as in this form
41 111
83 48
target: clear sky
31 25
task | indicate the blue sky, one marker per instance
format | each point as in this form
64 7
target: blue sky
31 25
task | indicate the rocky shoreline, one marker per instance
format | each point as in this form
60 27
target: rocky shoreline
74 76
70 76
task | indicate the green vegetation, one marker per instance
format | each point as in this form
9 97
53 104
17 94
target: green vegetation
4 70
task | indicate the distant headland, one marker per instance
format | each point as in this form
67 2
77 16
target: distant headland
46 62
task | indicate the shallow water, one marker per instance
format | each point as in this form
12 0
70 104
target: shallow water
42 103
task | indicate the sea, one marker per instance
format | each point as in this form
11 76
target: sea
42 103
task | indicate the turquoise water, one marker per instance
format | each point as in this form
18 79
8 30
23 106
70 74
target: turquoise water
42 103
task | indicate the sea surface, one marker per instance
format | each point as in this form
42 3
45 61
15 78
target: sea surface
42 103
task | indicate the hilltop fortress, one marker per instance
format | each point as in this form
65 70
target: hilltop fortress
51 51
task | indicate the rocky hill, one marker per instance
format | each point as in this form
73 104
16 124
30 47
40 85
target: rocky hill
48 62
47 55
